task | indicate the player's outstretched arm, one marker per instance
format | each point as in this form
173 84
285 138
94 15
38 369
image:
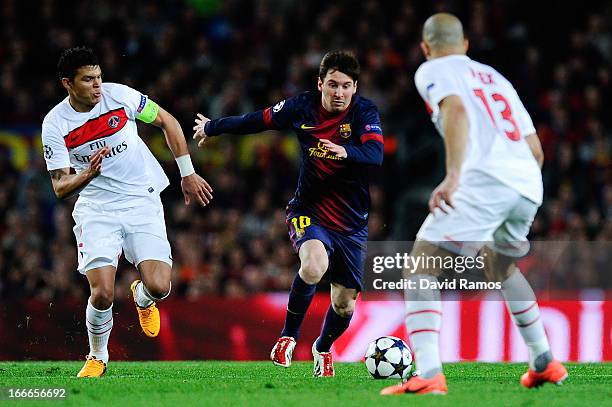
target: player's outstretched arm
455 127
194 187
66 184
248 123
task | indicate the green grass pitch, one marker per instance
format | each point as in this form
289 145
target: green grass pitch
182 384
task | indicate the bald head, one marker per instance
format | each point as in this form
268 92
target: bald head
443 32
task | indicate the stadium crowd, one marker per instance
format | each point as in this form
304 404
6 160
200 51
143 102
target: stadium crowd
230 57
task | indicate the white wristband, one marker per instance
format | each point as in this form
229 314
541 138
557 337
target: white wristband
185 165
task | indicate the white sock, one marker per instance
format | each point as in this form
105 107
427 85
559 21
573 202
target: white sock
525 313
423 321
99 325
143 298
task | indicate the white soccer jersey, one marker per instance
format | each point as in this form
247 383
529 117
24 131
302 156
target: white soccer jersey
129 170
498 120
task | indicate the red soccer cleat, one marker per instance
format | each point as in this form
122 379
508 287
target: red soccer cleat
555 373
323 363
283 351
419 385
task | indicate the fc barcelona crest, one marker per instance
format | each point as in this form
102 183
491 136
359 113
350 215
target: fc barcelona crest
345 130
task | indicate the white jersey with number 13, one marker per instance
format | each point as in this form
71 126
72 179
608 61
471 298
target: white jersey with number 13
498 121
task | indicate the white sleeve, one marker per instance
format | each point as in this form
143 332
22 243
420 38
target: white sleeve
434 83
132 99
523 119
54 148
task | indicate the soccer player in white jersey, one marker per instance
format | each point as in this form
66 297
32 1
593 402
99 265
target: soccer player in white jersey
490 195
93 130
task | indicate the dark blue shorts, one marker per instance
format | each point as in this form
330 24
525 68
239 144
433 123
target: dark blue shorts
346 253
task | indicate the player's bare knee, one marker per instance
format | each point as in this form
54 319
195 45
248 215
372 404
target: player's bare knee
343 300
344 308
312 269
498 267
313 261
160 292
156 278
102 297
158 288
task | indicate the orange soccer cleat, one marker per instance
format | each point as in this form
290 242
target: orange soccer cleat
93 367
148 317
555 373
419 385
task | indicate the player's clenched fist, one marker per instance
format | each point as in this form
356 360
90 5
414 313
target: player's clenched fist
196 188
334 148
199 134
95 161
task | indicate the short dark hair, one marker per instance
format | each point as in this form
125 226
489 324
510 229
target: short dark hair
342 61
74 58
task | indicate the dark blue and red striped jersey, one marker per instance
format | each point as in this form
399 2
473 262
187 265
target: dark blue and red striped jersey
333 191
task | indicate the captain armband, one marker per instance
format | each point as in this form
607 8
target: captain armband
148 113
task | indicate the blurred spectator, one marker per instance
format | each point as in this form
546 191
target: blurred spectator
235 56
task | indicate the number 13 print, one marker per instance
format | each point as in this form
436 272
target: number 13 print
505 114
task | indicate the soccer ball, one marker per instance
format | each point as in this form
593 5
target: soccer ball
388 357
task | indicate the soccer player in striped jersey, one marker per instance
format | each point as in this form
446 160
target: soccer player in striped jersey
93 130
341 139
487 201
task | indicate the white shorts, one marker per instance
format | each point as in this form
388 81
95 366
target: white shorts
487 212
102 235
